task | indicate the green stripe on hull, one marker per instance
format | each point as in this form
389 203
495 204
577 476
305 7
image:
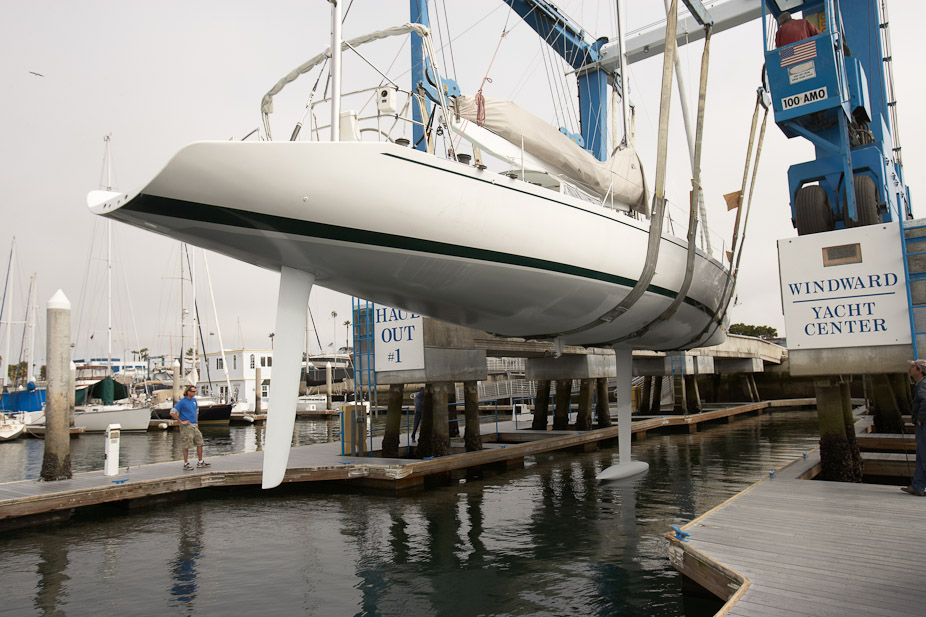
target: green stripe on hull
219 215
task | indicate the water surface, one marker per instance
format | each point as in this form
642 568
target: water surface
544 540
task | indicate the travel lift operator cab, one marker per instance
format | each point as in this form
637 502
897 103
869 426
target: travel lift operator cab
831 89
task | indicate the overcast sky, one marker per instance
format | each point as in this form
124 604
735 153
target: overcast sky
159 75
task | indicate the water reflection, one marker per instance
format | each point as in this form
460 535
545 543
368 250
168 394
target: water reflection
51 588
183 570
548 539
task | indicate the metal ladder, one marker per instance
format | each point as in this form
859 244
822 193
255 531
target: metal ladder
364 355
918 248
677 366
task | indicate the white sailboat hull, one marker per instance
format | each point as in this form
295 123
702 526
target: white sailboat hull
440 238
95 418
11 429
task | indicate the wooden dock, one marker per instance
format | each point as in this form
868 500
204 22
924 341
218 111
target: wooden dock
788 546
323 462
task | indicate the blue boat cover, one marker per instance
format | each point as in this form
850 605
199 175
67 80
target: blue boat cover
24 400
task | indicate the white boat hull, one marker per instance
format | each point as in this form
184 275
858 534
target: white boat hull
443 239
11 429
96 418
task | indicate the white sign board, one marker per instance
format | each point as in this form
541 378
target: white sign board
844 288
399 342
804 98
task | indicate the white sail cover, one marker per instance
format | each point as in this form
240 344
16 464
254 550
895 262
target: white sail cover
620 177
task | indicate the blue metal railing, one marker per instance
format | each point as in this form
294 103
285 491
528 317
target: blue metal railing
364 364
904 241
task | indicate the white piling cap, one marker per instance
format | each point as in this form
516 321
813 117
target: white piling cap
59 301
177 363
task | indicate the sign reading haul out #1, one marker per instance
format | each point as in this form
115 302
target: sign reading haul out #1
399 343
844 288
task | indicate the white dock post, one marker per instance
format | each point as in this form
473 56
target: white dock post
56 464
111 450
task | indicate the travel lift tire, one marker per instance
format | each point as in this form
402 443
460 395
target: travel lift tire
812 212
866 203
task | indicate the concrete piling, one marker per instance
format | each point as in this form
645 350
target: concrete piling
836 456
452 419
887 417
541 405
693 394
681 394
425 430
393 421
602 407
584 415
562 404
471 435
440 429
56 463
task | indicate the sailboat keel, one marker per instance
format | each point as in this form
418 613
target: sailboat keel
295 287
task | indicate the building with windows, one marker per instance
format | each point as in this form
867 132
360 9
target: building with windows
241 365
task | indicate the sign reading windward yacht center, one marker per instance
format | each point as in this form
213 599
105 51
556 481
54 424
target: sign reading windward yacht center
844 288
399 342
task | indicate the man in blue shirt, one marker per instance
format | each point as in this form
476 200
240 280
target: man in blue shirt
918 413
186 411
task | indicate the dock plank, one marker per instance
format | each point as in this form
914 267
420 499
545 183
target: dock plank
816 548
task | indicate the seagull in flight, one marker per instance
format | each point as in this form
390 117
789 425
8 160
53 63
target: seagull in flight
36 74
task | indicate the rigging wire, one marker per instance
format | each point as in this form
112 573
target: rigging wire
449 42
555 95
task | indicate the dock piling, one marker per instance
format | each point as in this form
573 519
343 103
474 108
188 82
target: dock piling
562 404
602 407
541 405
56 463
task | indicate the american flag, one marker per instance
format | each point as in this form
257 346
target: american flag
792 54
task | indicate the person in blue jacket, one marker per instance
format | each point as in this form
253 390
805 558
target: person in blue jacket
419 407
186 411
918 413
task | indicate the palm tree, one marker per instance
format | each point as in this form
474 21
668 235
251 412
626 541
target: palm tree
334 337
347 333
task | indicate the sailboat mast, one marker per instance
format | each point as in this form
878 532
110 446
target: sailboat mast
109 262
335 70
215 315
625 91
30 360
189 263
9 321
182 312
